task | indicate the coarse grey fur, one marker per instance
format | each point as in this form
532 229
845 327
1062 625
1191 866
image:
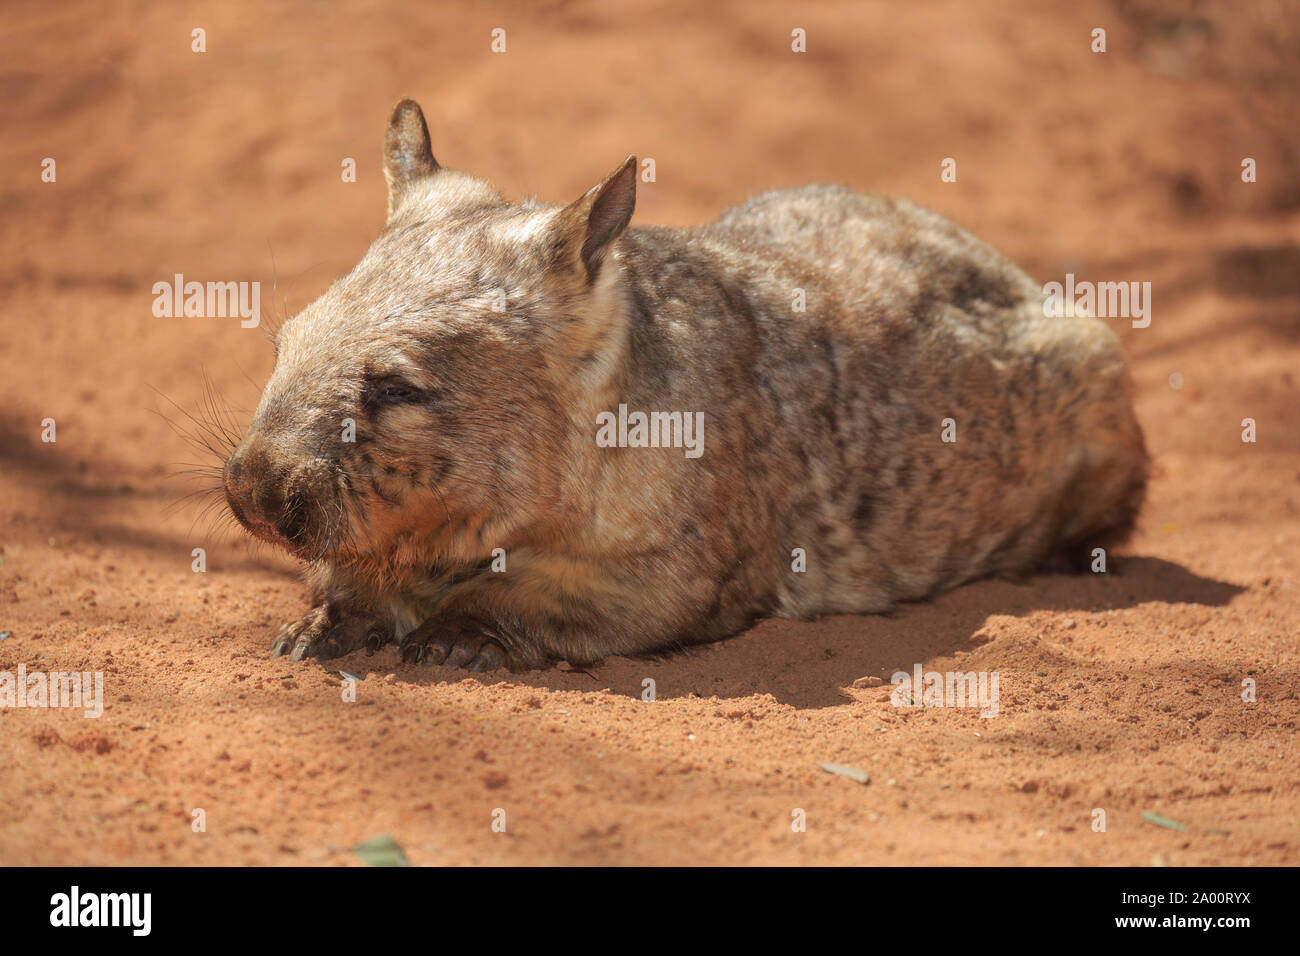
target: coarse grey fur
824 424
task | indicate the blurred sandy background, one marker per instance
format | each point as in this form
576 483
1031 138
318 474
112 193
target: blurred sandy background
1121 693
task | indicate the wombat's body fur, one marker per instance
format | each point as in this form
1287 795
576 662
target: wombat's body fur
824 428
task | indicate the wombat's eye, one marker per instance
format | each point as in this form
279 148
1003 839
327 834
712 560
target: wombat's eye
391 392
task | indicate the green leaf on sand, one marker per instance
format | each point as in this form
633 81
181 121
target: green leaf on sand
382 851
1163 821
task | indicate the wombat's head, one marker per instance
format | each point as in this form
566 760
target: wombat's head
419 410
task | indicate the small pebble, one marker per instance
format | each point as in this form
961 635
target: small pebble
853 773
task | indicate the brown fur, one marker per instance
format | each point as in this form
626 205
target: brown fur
475 429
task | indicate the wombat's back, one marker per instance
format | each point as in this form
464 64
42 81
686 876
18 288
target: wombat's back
955 431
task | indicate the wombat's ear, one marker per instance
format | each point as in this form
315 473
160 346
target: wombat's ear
593 222
407 153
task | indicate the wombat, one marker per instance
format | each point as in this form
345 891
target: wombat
454 438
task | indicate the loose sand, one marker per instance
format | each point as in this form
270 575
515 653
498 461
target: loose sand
1120 692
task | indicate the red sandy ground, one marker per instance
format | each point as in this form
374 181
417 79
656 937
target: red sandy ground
1121 692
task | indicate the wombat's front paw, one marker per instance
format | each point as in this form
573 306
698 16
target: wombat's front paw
325 632
454 642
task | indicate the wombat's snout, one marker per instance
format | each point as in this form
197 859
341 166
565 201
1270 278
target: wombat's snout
270 495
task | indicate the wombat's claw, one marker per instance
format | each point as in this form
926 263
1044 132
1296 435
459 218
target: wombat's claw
290 633
323 646
284 638
490 657
434 644
316 636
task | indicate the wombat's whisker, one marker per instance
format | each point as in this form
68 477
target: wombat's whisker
207 434
213 431
270 329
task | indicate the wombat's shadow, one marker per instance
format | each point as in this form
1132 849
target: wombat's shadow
807 664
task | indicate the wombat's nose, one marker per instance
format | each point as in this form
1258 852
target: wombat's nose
274 494
292 523
252 486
